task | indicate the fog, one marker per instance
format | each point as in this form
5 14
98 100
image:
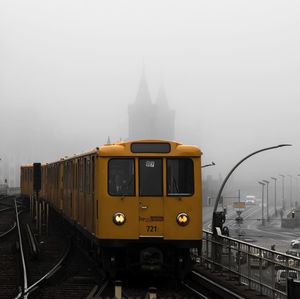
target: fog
231 71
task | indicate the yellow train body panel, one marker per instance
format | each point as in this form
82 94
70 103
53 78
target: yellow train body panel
86 189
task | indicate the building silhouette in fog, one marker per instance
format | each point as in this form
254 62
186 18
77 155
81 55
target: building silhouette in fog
149 120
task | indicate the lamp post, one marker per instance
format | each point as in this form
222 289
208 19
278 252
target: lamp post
0 171
262 203
275 207
297 194
219 218
283 202
291 189
215 216
267 183
208 165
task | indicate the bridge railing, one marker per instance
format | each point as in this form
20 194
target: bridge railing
260 269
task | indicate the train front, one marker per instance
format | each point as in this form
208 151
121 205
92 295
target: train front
149 207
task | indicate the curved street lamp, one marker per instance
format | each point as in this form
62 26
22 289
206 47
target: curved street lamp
207 165
228 176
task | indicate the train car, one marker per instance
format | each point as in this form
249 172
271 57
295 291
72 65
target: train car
26 180
138 202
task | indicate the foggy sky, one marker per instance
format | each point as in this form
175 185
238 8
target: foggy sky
231 70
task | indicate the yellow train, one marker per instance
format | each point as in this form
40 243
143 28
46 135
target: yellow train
138 202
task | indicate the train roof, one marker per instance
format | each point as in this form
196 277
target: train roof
27 165
149 147
146 147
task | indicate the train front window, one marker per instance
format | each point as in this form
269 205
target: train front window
121 177
180 175
150 177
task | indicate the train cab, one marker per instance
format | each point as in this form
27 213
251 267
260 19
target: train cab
149 198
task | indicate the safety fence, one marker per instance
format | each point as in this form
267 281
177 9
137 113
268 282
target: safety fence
262 270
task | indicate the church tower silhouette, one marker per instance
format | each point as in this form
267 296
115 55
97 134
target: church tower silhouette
149 120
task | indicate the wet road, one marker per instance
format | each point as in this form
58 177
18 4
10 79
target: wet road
252 229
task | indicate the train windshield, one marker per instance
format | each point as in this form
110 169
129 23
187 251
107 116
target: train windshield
121 177
180 175
150 177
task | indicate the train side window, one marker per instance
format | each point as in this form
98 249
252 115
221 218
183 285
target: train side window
121 177
150 177
180 177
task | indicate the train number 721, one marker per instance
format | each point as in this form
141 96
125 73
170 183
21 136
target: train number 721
151 228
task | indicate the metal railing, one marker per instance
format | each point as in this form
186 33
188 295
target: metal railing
262 270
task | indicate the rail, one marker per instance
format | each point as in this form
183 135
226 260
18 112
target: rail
9 230
26 289
53 270
3 234
24 272
210 287
33 244
262 270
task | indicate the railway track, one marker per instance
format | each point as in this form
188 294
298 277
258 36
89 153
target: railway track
9 278
195 286
59 271
7 215
206 288
139 289
63 271
75 278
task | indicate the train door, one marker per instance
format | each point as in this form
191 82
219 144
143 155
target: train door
81 207
68 198
93 229
75 190
65 189
70 187
84 193
78 184
150 182
60 186
88 196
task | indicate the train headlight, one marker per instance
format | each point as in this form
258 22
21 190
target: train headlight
119 218
183 219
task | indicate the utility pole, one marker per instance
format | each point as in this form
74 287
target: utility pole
262 203
275 207
283 202
291 190
0 171
297 195
268 216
